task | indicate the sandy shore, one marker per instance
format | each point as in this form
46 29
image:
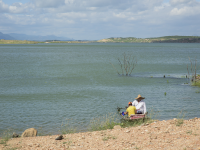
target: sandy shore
163 135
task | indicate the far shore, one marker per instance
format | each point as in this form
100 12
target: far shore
164 39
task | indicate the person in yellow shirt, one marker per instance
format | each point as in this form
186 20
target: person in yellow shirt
131 110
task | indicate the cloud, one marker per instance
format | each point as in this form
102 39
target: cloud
185 11
185 8
3 7
96 19
48 3
15 8
178 2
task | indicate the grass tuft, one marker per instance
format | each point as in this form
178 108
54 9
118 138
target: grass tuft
7 134
106 138
103 123
180 119
197 83
67 128
197 91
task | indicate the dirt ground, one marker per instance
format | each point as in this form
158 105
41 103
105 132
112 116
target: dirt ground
159 135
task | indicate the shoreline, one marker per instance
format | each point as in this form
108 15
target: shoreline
166 134
164 39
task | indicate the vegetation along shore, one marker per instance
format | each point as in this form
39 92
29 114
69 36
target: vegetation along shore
164 39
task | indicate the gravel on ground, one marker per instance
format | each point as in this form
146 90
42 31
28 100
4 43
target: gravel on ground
159 135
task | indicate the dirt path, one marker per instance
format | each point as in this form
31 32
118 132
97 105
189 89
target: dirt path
163 135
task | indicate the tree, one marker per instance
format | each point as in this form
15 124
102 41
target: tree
127 63
194 77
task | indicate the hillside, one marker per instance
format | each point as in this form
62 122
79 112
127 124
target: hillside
164 39
37 37
22 37
6 37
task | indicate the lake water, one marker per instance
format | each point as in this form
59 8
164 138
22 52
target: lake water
44 85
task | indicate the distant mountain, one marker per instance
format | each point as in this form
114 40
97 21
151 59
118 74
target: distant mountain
6 37
37 38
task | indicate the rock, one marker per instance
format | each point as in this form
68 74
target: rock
15 135
117 127
127 131
31 132
83 137
59 138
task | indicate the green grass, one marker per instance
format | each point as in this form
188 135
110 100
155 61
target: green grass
7 134
103 123
67 128
180 119
67 143
197 91
151 116
109 121
134 123
197 83
108 137
179 122
189 132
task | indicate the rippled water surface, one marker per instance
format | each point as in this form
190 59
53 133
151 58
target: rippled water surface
44 85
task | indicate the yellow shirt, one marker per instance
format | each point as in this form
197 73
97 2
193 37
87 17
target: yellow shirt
131 110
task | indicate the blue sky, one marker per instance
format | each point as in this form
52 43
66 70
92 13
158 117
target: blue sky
98 19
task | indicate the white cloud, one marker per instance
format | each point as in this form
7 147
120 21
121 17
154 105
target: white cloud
71 15
16 8
69 1
138 18
91 8
178 2
120 15
181 3
185 11
49 3
3 7
161 7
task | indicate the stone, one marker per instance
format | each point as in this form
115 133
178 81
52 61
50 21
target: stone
31 132
83 137
59 137
117 127
15 135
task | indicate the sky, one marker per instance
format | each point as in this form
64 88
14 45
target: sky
99 19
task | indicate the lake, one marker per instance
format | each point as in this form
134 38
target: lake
45 85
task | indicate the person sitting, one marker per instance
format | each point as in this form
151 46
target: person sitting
140 105
131 110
